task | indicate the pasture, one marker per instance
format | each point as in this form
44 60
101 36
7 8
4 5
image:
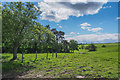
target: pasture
102 63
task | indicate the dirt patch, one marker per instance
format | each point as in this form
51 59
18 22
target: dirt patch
66 72
80 77
32 74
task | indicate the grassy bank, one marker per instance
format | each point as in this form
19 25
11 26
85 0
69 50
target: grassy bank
100 63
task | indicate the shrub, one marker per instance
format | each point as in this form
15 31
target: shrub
87 47
77 49
82 46
92 47
103 46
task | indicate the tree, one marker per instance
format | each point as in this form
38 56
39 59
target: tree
17 17
65 45
0 28
103 46
36 37
48 39
59 36
73 45
56 38
82 46
48 27
23 48
92 47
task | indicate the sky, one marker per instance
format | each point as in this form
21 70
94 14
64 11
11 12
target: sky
82 20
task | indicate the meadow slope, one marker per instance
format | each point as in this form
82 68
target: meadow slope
100 63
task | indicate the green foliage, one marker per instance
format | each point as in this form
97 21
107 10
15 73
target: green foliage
73 45
21 33
82 46
103 46
91 47
0 26
65 45
17 17
87 47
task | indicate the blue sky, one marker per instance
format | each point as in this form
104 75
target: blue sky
105 18
99 27
82 21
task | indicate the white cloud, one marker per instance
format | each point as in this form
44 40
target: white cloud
60 26
107 7
85 27
95 38
72 33
78 33
85 24
118 18
66 35
95 29
57 10
57 24
92 29
76 1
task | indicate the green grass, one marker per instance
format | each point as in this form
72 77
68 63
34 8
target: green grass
100 63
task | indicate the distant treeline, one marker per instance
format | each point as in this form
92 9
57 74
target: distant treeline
61 47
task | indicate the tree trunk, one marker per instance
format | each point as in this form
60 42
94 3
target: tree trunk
56 54
47 55
52 54
22 57
36 55
15 52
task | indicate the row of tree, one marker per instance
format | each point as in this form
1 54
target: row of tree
0 28
21 33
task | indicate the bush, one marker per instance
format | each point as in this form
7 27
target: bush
92 47
82 46
77 49
87 47
103 46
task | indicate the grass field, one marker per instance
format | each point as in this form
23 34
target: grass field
95 64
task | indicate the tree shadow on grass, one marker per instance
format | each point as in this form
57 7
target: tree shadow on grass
42 59
5 57
14 69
